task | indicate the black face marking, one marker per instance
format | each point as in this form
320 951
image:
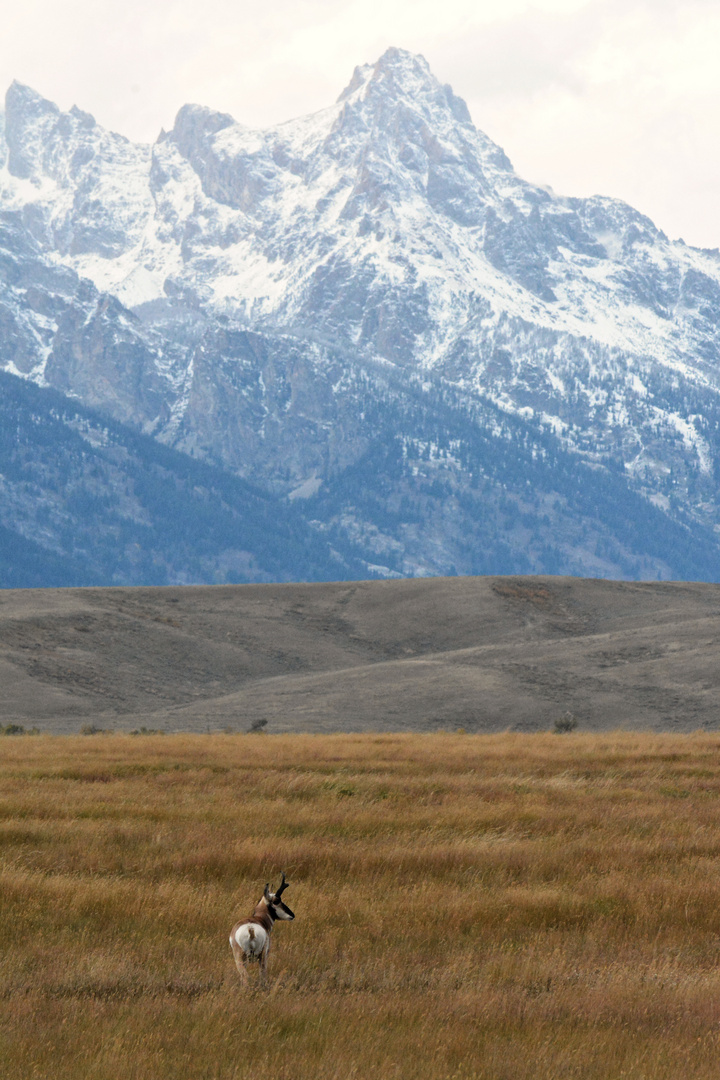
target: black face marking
278 905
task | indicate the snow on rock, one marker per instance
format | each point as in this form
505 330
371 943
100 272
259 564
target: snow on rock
280 277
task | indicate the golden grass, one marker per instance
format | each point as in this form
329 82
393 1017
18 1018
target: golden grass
499 907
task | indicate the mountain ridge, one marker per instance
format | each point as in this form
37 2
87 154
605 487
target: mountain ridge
278 302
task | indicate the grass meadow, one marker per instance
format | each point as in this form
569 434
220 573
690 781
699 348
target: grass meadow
502 907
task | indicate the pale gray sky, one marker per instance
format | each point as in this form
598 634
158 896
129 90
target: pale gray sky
617 97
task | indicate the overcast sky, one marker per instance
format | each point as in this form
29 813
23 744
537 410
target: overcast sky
617 97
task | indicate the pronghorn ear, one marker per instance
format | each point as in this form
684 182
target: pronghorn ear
266 892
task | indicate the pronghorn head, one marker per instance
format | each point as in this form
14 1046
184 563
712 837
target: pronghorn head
277 909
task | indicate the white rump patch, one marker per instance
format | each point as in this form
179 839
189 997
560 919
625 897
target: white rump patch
252 944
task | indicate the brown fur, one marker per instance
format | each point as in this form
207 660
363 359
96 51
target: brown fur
261 916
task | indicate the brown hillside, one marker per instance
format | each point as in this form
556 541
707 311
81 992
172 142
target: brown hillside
485 654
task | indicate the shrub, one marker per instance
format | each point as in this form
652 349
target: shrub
565 723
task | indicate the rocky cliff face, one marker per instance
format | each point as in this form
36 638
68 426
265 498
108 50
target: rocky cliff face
369 313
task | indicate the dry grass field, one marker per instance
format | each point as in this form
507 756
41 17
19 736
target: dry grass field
468 906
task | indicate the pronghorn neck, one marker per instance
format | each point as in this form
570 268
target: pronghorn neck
264 914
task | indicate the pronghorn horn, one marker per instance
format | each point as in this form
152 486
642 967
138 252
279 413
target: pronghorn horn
283 885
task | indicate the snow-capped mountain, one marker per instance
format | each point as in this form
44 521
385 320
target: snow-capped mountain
368 311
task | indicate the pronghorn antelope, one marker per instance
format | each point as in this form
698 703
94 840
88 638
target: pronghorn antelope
250 938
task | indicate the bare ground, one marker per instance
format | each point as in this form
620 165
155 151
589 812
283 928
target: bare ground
483 654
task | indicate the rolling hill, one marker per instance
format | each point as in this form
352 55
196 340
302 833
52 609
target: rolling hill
483 654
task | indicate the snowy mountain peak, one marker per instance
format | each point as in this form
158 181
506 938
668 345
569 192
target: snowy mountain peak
21 98
28 119
195 126
274 272
406 76
88 191
398 72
